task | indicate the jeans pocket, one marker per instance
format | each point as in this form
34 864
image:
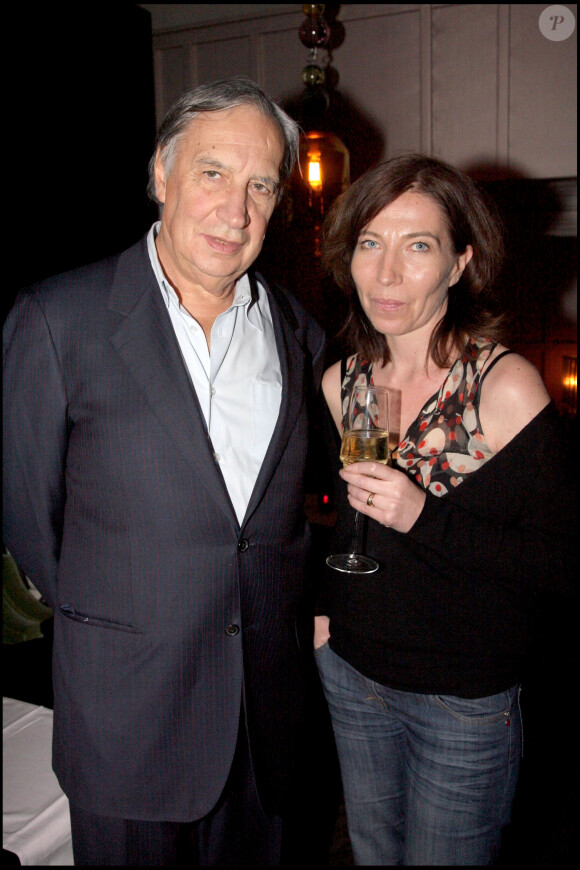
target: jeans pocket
493 708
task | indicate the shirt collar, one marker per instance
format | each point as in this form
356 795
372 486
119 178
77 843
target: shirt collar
245 296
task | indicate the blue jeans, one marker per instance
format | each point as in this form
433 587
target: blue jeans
428 779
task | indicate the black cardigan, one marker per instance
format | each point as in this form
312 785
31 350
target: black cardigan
450 610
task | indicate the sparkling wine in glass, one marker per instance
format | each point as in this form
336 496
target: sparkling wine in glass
366 437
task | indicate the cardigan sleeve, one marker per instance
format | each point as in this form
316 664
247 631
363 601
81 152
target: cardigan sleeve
513 521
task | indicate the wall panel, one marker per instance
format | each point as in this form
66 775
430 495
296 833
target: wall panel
543 97
172 77
465 83
283 58
224 58
380 70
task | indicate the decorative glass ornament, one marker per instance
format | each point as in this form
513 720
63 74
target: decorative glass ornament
313 9
314 32
313 75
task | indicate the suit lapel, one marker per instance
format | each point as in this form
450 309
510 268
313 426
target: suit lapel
291 356
147 344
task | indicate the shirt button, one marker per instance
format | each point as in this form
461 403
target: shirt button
243 545
232 630
212 391
217 457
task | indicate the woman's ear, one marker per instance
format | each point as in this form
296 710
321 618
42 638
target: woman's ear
460 264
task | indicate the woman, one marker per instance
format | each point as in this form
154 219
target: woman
421 661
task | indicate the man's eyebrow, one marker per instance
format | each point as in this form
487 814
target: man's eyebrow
206 160
269 178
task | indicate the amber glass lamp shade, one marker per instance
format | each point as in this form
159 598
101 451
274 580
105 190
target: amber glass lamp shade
324 164
570 385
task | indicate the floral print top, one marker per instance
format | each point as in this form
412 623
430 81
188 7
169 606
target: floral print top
445 443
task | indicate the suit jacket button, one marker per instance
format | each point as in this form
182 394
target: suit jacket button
232 630
243 545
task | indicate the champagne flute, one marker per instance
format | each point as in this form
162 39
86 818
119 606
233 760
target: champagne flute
366 437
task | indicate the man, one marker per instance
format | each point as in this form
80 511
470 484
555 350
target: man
156 427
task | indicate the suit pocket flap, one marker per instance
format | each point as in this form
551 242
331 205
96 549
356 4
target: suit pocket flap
69 611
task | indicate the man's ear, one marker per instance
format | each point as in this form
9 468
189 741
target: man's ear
159 174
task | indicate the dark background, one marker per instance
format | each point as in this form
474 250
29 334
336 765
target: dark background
80 130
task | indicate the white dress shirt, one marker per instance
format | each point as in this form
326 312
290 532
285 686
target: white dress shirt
238 383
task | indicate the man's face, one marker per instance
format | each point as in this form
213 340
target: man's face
218 198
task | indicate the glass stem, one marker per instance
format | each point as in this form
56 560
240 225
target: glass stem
357 538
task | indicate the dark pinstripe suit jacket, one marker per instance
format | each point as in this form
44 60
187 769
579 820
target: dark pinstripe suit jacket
115 509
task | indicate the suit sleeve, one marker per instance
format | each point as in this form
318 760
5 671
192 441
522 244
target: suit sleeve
35 439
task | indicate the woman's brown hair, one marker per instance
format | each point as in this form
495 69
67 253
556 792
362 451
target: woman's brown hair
470 219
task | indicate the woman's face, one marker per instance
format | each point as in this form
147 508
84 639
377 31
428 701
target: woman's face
403 265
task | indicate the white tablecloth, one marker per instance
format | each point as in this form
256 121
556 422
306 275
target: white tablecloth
36 821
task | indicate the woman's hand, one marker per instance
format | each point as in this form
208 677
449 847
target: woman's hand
396 502
321 630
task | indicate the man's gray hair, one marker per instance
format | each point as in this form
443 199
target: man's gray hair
214 97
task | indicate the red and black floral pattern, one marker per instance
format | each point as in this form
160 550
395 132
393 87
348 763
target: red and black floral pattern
445 443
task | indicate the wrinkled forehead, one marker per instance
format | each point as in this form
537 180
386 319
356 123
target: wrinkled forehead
239 126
